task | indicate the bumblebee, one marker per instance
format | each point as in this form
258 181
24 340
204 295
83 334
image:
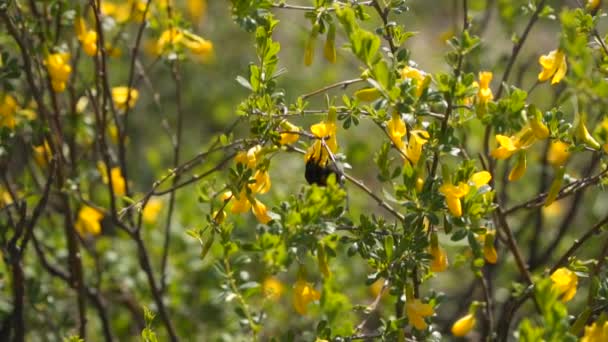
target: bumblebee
316 173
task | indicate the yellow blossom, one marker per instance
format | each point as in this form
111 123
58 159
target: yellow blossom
520 168
196 9
304 293
289 138
8 108
422 81
169 37
554 66
592 6
478 179
464 325
197 45
88 38
323 130
376 287
484 95
396 129
416 312
42 154
506 149
249 157
260 212
218 216
596 332
489 251
539 129
89 221
413 150
565 282
122 94
57 64
272 288
124 10
262 182
5 197
118 182
241 203
558 153
322 261
439 263
452 195
151 211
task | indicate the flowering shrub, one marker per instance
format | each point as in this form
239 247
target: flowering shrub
404 199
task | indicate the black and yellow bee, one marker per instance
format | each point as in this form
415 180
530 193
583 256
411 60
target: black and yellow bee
316 173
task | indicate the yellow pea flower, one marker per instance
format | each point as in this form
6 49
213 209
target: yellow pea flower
272 288
323 130
304 293
59 69
262 182
596 332
322 261
196 44
196 9
168 38
218 216
554 66
539 129
89 221
260 212
422 81
558 153
241 204
151 211
8 108
416 311
122 94
5 197
565 282
413 150
248 158
289 138
87 38
489 251
464 325
506 149
478 179
439 263
396 129
42 154
118 182
484 94
452 195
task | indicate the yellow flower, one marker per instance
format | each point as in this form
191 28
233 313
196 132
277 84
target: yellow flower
57 64
484 95
539 129
453 194
416 312
422 81
440 259
241 204
169 37
506 149
304 293
596 333
196 9
122 94
260 212
5 197
131 9
413 150
489 251
89 221
118 182
218 216
396 129
322 261
520 168
8 108
554 66
464 325
565 282
262 182
592 6
478 179
376 287
289 138
88 38
323 130
558 153
42 154
197 45
151 211
272 288
249 157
